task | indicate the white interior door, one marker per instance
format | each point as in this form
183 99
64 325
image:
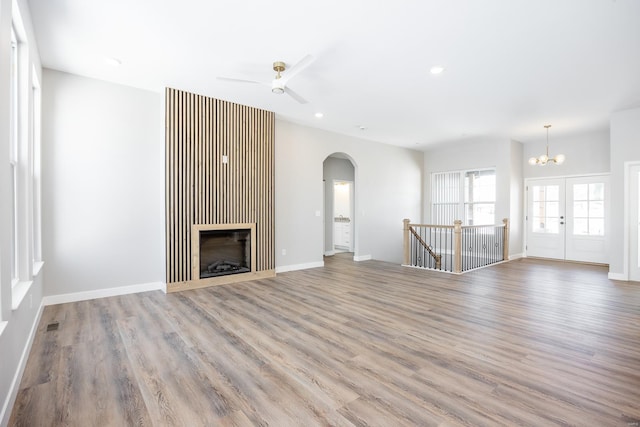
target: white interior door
587 219
568 218
546 218
634 223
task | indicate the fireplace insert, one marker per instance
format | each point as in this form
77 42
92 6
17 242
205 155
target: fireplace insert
224 252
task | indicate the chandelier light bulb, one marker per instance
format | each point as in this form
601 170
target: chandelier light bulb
533 161
559 159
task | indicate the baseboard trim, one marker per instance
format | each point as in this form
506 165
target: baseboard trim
515 256
618 276
103 293
329 253
362 258
295 267
15 384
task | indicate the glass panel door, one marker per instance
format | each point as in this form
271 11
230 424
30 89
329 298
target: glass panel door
545 218
567 218
587 219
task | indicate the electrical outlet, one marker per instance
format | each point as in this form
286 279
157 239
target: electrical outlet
284 252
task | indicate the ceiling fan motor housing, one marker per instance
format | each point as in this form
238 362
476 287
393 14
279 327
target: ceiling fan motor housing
278 66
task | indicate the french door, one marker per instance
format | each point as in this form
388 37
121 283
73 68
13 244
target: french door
567 218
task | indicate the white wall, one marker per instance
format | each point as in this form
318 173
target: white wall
516 200
625 147
103 184
586 153
388 189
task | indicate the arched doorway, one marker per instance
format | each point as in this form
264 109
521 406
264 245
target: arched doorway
339 176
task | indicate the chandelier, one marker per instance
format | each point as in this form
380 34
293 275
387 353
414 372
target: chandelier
544 159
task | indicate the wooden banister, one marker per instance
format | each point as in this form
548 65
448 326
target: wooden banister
436 257
407 255
457 246
407 230
505 243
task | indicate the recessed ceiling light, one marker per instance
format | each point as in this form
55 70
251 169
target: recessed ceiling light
361 127
436 69
114 62
319 115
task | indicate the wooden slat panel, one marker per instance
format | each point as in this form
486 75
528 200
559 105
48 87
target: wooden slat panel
200 189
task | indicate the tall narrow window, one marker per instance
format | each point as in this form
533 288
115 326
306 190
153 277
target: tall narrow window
445 197
469 196
13 155
480 197
36 183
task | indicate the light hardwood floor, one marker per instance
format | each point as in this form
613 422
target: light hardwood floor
528 342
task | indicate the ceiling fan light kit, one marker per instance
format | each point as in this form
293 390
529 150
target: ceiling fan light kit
543 159
277 88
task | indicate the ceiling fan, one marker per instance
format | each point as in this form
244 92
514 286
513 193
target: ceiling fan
279 83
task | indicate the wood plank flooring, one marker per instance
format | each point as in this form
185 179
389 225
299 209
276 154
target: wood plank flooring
529 342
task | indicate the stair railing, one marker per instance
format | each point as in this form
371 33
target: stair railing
455 248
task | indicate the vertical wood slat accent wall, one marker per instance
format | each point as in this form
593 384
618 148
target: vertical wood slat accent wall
200 189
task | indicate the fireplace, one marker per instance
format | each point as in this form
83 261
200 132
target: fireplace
222 250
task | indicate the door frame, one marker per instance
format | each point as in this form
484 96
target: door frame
527 182
352 212
626 226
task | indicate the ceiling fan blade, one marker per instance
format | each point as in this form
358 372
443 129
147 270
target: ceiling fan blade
296 68
230 79
294 95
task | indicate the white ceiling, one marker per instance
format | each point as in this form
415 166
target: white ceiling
511 66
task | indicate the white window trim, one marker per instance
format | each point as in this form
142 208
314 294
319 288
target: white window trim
461 204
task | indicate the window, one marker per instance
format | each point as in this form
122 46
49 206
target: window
22 203
546 209
36 181
480 197
466 195
588 209
445 197
13 155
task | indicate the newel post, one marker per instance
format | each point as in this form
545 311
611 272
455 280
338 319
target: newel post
457 246
505 243
407 258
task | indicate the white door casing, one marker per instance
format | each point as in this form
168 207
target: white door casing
634 222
